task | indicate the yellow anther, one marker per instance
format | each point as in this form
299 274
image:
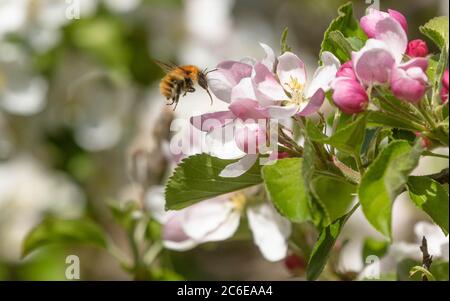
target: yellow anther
238 200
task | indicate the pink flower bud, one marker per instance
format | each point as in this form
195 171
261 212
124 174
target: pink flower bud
346 70
417 48
425 142
444 89
349 95
410 84
400 18
249 137
294 262
369 22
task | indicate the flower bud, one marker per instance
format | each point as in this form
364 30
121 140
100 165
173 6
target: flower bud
444 89
417 48
294 263
409 85
346 70
349 95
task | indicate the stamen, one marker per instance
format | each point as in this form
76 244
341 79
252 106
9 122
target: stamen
238 200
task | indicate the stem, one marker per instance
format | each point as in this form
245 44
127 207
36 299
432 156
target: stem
359 164
152 253
424 113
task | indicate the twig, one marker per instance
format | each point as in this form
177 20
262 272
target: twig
427 259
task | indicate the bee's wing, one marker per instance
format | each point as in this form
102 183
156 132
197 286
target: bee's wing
167 67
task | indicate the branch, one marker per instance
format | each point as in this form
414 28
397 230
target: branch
441 177
427 259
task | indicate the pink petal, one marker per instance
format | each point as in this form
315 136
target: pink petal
390 31
209 121
248 109
282 112
173 235
228 75
420 62
400 18
243 90
267 88
370 20
349 95
409 85
314 104
373 63
290 67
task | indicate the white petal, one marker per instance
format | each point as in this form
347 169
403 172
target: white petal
269 59
174 237
243 90
155 202
240 167
324 75
270 231
290 67
220 143
209 220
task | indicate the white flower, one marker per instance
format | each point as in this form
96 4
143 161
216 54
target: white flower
218 219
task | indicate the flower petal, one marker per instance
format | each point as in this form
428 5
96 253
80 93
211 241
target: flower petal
228 75
282 112
155 202
269 59
210 220
248 109
289 68
270 231
369 21
324 75
240 167
373 63
421 62
244 89
391 32
174 237
220 143
313 105
209 121
267 88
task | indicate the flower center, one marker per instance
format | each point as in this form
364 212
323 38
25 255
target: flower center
296 90
238 200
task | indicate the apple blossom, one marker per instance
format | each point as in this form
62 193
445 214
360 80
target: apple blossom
409 84
349 95
218 219
370 20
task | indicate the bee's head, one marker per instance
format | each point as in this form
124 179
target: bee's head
202 80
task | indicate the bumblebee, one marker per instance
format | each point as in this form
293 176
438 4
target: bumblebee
179 80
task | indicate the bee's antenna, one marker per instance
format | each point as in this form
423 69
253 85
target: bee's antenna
206 71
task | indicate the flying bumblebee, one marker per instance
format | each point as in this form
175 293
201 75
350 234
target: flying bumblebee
181 80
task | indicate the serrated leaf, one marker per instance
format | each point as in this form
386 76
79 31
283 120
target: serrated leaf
347 25
437 30
197 178
60 231
324 245
431 197
384 180
347 139
286 187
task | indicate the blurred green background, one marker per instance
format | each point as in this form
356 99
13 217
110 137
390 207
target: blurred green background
79 108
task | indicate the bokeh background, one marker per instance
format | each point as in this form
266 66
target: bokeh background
80 112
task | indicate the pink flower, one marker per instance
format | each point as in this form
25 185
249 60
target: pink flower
369 22
249 137
417 48
349 95
409 83
444 89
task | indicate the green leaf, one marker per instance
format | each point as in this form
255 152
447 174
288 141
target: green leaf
374 247
431 197
322 248
347 25
197 178
123 213
377 118
347 139
439 269
284 45
335 194
437 30
59 231
341 45
286 187
384 180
